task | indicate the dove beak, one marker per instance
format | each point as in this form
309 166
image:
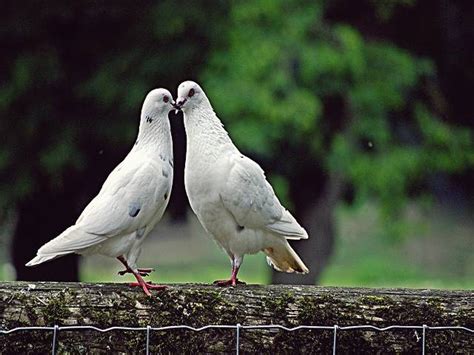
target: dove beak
176 107
180 102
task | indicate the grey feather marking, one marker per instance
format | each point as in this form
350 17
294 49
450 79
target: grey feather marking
139 234
98 234
134 209
164 173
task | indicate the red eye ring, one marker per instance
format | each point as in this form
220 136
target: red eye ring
191 93
166 99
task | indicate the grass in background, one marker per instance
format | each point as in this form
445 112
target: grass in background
254 271
436 253
181 253
433 254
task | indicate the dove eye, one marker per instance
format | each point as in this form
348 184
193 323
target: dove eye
191 93
166 99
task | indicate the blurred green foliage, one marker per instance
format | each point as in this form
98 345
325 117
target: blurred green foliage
284 70
75 75
278 74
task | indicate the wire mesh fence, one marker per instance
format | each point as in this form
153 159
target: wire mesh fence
238 331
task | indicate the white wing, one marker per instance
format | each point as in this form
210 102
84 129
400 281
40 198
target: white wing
249 197
129 198
133 195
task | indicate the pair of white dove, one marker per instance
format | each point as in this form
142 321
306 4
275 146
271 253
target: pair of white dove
228 192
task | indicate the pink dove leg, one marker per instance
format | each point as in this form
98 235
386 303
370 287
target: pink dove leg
233 281
146 286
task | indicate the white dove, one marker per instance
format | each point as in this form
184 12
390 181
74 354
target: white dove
230 194
131 201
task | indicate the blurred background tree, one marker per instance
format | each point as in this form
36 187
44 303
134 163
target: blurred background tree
328 110
337 100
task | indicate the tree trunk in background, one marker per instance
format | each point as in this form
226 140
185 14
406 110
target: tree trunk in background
319 222
315 194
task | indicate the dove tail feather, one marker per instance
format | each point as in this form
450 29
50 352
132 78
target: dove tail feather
282 257
39 259
70 241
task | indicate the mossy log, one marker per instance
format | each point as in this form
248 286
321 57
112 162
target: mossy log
106 305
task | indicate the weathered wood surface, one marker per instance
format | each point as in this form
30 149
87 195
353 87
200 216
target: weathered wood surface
105 305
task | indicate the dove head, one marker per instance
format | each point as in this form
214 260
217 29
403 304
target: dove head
154 123
158 102
190 95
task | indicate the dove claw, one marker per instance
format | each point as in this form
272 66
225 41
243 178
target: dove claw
147 286
142 271
138 273
145 271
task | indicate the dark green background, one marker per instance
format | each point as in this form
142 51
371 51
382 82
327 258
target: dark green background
339 101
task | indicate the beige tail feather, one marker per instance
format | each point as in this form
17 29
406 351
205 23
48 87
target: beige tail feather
282 257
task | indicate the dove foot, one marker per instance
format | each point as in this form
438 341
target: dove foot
138 273
231 282
145 271
147 286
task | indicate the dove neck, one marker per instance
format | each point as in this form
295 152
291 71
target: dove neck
205 133
154 134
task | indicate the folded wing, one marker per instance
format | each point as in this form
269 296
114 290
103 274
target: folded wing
249 197
129 199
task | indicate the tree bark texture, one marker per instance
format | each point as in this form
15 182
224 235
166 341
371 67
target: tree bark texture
106 305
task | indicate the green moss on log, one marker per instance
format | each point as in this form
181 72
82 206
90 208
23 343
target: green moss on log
200 305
